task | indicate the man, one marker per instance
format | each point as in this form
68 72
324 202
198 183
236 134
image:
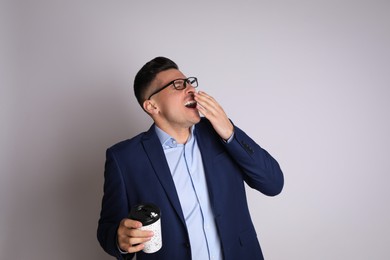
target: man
193 168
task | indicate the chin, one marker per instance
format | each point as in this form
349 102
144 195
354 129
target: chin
197 118
193 118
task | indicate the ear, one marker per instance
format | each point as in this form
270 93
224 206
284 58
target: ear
150 107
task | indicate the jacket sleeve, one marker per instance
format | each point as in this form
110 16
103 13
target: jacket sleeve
261 171
114 207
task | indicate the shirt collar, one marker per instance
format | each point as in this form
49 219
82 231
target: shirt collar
168 141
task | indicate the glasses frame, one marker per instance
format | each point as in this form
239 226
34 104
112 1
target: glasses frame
177 88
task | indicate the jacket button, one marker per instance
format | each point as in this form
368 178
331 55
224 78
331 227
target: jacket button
247 147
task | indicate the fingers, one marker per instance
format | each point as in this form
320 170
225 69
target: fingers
211 109
130 238
207 105
130 223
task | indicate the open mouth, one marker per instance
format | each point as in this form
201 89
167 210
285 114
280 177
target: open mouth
190 104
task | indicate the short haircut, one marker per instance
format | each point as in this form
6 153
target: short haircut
147 74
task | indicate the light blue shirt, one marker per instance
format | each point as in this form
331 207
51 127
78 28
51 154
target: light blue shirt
185 163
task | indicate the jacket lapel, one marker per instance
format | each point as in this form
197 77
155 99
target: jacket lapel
208 154
157 159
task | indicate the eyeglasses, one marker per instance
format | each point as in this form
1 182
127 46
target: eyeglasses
179 84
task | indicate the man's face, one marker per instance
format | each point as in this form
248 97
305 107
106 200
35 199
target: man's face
174 108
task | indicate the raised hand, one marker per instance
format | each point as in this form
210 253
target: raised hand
211 109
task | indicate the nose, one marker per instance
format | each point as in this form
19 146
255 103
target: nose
189 89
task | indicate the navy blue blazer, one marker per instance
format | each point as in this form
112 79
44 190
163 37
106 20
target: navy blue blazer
136 171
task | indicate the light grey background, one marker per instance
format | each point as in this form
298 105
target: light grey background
308 80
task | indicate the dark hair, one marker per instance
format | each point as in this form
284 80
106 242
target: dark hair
147 74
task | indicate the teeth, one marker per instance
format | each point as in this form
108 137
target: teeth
190 103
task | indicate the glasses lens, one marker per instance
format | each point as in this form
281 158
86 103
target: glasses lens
179 84
183 83
192 81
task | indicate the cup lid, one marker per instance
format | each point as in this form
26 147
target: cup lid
147 213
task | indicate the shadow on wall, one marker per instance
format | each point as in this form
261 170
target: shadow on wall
57 181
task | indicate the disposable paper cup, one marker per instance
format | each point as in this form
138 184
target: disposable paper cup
149 215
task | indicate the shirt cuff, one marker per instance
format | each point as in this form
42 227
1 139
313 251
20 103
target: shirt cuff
120 250
229 139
